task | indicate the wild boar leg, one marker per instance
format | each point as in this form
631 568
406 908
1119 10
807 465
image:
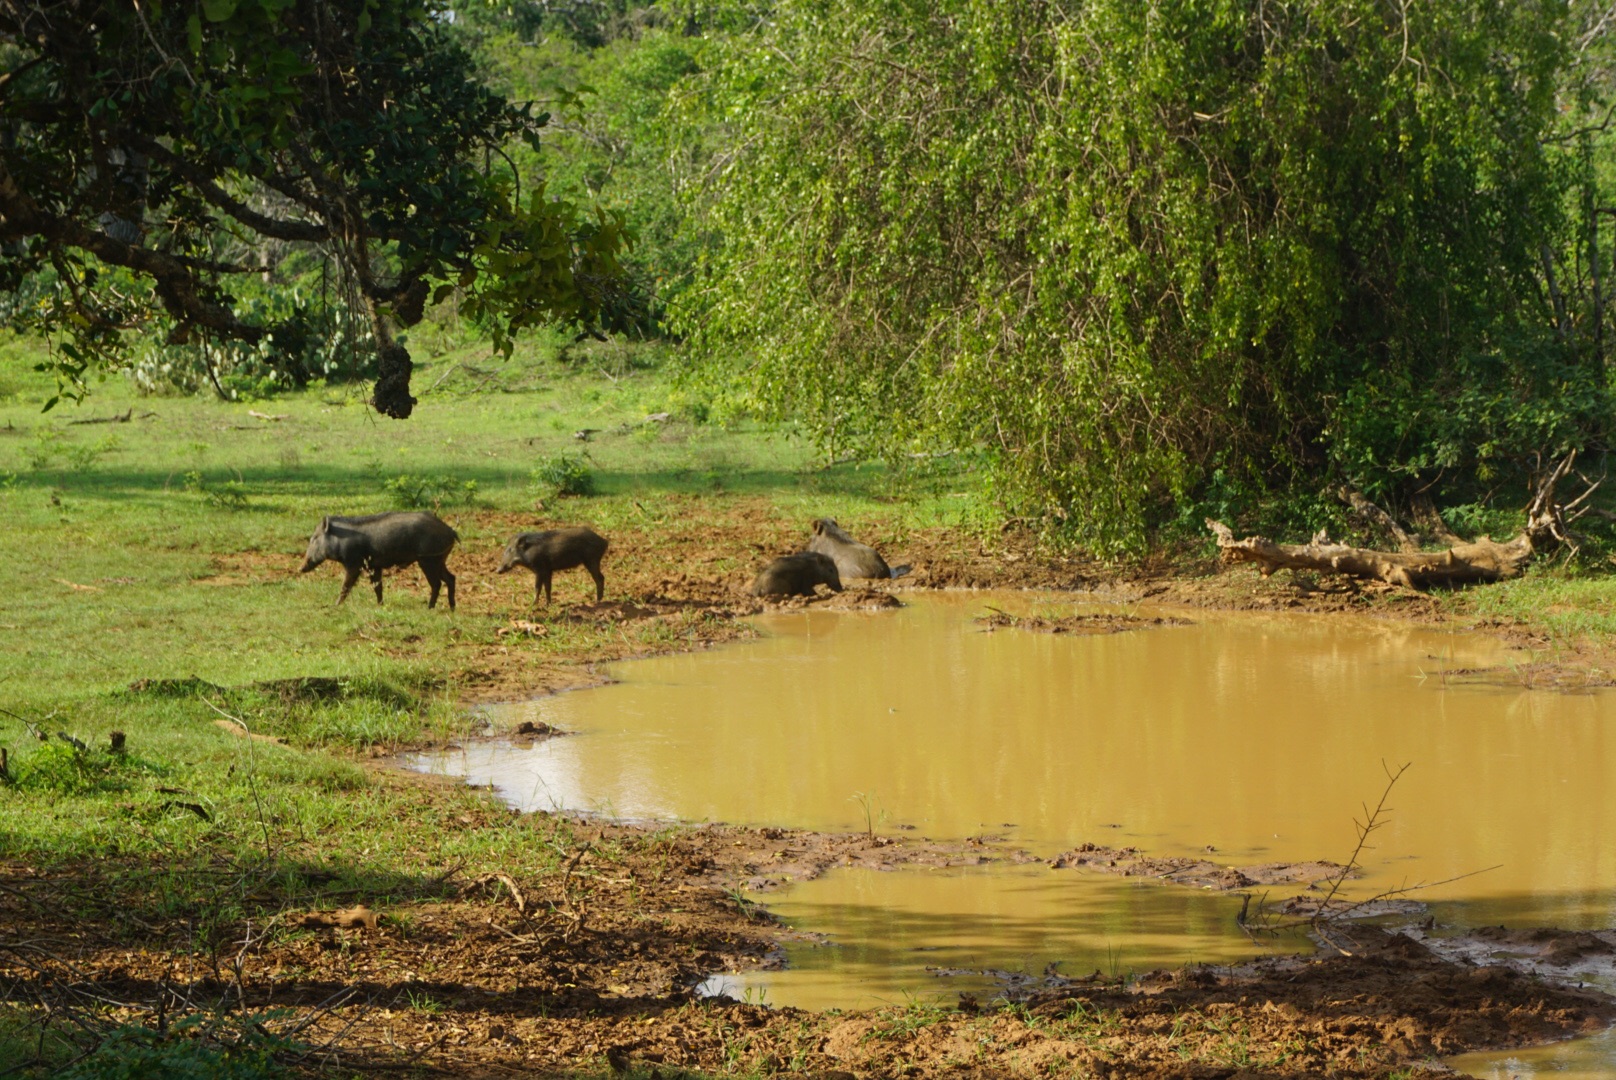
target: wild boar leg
349 580
437 575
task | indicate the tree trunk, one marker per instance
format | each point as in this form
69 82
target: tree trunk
1463 564
1548 525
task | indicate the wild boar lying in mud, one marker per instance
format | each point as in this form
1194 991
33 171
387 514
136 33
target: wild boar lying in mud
853 559
377 542
796 575
556 549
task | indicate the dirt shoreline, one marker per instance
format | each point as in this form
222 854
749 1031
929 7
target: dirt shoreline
593 969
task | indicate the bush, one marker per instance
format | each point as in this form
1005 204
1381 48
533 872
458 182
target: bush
1277 248
429 492
229 495
563 475
133 1053
65 769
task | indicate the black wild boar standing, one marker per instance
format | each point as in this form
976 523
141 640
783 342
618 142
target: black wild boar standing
377 542
853 559
796 575
557 549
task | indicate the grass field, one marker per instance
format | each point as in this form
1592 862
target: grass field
160 553
151 589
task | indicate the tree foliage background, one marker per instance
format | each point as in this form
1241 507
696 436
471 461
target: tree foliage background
1140 260
1153 254
162 161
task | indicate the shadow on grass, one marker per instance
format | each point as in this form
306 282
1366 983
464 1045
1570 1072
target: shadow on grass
362 480
269 482
197 899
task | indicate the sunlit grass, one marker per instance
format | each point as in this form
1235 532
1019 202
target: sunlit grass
1567 608
165 548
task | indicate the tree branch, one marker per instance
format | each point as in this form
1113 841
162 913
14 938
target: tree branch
20 217
208 187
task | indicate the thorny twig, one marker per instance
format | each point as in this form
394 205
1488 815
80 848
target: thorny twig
1324 919
1365 828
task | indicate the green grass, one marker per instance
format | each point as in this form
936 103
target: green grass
139 513
151 589
1566 606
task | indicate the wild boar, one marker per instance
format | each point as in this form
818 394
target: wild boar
557 549
853 559
796 575
376 542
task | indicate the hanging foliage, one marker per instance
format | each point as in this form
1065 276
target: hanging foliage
1134 250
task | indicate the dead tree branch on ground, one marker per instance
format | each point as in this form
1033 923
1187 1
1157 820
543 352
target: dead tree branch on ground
1480 561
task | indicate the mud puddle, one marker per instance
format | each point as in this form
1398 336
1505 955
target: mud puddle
1241 739
1590 1058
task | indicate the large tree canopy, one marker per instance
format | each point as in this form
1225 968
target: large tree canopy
1143 252
155 154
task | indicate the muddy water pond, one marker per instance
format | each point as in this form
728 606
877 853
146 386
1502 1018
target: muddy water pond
1259 737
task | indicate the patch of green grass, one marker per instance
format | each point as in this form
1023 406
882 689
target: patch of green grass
180 1055
1567 606
912 1016
562 475
163 602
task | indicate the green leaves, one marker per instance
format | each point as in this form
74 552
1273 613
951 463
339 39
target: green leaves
1124 246
361 130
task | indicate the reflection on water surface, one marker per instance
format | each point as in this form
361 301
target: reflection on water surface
1593 1058
1260 736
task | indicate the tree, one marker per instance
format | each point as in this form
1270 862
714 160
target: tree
156 154
1143 254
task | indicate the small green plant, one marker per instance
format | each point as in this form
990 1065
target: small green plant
137 1051
564 474
46 449
874 814
423 1002
747 907
229 495
912 1017
83 456
423 492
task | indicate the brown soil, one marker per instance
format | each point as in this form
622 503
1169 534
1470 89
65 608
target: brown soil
1102 623
527 971
1201 873
593 968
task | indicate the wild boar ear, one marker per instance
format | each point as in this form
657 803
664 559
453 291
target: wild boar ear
819 526
325 525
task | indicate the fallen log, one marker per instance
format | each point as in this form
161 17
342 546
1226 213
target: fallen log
1477 562
1465 564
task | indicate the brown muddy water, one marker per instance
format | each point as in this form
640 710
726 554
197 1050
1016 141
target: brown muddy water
1593 1058
1258 736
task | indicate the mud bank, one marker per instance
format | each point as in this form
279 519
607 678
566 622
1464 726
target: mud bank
597 968
590 960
